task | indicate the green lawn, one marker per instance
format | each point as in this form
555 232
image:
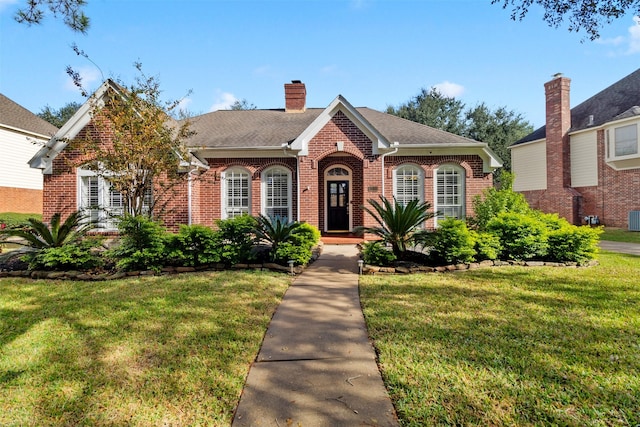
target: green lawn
620 235
166 350
511 345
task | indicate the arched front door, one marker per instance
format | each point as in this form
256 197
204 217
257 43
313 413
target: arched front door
338 180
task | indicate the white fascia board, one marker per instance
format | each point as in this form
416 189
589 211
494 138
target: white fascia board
44 157
301 143
522 144
27 133
491 161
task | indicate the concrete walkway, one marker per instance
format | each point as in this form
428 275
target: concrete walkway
316 366
624 248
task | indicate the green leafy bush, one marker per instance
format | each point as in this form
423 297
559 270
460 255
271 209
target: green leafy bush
494 201
305 235
72 256
375 253
275 231
487 245
573 243
301 255
453 242
142 244
236 239
522 236
195 245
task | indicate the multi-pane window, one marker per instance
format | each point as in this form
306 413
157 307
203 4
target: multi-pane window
236 200
408 184
450 192
276 192
100 202
626 140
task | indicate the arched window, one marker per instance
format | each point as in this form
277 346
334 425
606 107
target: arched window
236 192
450 192
276 192
408 183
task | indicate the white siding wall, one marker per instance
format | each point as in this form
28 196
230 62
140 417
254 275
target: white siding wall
15 151
529 164
584 159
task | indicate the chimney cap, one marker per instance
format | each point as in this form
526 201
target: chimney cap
296 81
557 75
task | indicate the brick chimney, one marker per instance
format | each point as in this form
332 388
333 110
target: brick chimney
558 123
295 96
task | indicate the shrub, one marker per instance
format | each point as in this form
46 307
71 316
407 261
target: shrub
453 242
196 245
287 251
73 256
142 244
306 235
494 201
487 245
236 239
522 236
39 235
275 231
375 253
573 243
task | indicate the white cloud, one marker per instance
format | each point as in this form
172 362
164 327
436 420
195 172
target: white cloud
224 101
183 105
451 90
634 37
625 45
89 75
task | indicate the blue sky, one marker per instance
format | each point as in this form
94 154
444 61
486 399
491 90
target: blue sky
374 52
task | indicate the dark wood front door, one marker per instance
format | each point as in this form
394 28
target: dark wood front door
338 205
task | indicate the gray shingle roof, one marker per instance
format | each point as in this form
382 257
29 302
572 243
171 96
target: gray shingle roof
272 128
613 103
16 116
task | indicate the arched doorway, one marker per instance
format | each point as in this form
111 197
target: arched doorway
338 199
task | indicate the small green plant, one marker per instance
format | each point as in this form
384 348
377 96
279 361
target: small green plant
375 253
72 256
195 245
573 243
275 231
39 235
487 246
494 201
453 242
142 244
236 236
400 226
299 248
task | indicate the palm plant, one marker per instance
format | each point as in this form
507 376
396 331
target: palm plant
39 235
399 225
275 231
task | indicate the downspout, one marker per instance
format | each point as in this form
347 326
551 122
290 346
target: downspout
395 150
284 150
189 195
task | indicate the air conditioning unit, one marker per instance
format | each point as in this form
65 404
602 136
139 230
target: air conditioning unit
634 220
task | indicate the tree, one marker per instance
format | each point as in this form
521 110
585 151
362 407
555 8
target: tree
499 129
70 10
242 104
144 145
587 15
434 109
59 117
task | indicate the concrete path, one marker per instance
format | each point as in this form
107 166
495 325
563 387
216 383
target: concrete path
625 248
316 366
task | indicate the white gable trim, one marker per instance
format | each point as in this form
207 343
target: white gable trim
301 143
43 159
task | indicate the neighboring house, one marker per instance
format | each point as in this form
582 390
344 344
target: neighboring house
319 165
585 162
20 132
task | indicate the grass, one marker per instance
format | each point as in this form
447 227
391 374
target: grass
12 218
620 235
166 350
511 345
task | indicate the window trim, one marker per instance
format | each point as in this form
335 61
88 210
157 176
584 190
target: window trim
611 142
264 189
105 213
224 184
462 194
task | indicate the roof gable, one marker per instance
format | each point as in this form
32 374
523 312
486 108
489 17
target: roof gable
13 115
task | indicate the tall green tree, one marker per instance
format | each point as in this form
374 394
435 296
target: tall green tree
498 128
71 12
587 15
434 109
60 116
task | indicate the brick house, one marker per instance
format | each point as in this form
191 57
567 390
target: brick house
318 165
584 163
20 130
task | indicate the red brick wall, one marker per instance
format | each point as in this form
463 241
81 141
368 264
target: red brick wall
20 200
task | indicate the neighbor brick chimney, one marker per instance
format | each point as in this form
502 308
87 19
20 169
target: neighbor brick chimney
558 123
295 96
